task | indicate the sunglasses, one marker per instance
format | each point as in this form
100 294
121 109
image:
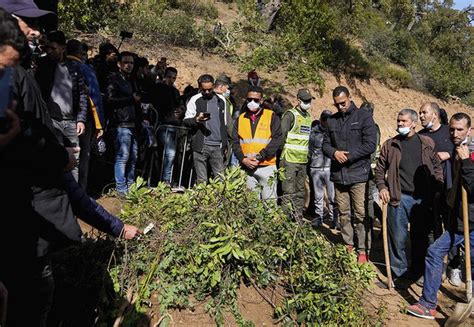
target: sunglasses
339 104
253 99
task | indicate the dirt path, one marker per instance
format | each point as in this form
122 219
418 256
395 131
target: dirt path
392 305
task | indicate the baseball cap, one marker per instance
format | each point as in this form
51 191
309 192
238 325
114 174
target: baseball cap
23 8
304 94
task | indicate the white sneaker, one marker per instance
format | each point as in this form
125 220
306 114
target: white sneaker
455 277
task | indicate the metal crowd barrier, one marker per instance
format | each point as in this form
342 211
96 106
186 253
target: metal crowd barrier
183 154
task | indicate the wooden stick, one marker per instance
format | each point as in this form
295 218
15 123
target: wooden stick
467 244
385 247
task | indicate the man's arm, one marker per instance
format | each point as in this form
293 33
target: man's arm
83 95
327 147
287 122
236 141
190 115
93 213
271 149
381 167
368 144
114 97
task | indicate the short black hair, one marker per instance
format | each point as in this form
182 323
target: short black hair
141 62
126 54
171 70
57 37
74 48
206 78
10 33
460 116
340 89
256 89
106 49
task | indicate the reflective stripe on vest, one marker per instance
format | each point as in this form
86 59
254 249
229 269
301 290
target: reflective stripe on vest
295 149
251 146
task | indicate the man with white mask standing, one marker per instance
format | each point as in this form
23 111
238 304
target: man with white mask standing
256 139
296 128
408 173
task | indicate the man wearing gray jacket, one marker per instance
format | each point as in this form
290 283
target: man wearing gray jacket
320 172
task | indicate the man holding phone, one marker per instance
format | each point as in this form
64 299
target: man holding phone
209 117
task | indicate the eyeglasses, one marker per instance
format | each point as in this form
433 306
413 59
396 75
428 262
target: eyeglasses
253 99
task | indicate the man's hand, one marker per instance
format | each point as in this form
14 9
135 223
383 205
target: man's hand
201 118
137 97
80 128
384 196
14 128
443 156
99 133
341 156
250 163
130 232
462 151
72 158
3 303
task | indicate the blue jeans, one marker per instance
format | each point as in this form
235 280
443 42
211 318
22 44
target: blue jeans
410 210
126 148
168 137
434 265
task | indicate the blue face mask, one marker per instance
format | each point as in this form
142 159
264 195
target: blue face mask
403 130
226 94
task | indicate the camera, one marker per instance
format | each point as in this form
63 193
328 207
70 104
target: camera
126 35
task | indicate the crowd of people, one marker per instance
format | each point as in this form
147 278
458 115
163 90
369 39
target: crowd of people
61 107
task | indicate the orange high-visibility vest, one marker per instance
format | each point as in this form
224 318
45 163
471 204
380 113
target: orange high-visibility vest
251 146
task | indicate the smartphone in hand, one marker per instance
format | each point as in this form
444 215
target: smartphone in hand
206 115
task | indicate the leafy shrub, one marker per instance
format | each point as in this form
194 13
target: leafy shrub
86 15
213 237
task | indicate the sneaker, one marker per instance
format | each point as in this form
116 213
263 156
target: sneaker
362 258
455 277
420 281
420 311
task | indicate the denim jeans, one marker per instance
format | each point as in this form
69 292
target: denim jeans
321 178
125 158
434 265
168 138
413 211
211 154
259 177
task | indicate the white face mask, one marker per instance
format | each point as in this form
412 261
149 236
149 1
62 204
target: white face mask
465 141
305 106
226 94
403 130
253 106
430 125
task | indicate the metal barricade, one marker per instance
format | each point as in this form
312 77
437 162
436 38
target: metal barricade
180 137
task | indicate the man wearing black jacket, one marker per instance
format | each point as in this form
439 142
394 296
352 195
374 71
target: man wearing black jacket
122 100
463 177
349 141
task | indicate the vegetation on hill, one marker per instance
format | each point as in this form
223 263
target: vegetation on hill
423 44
